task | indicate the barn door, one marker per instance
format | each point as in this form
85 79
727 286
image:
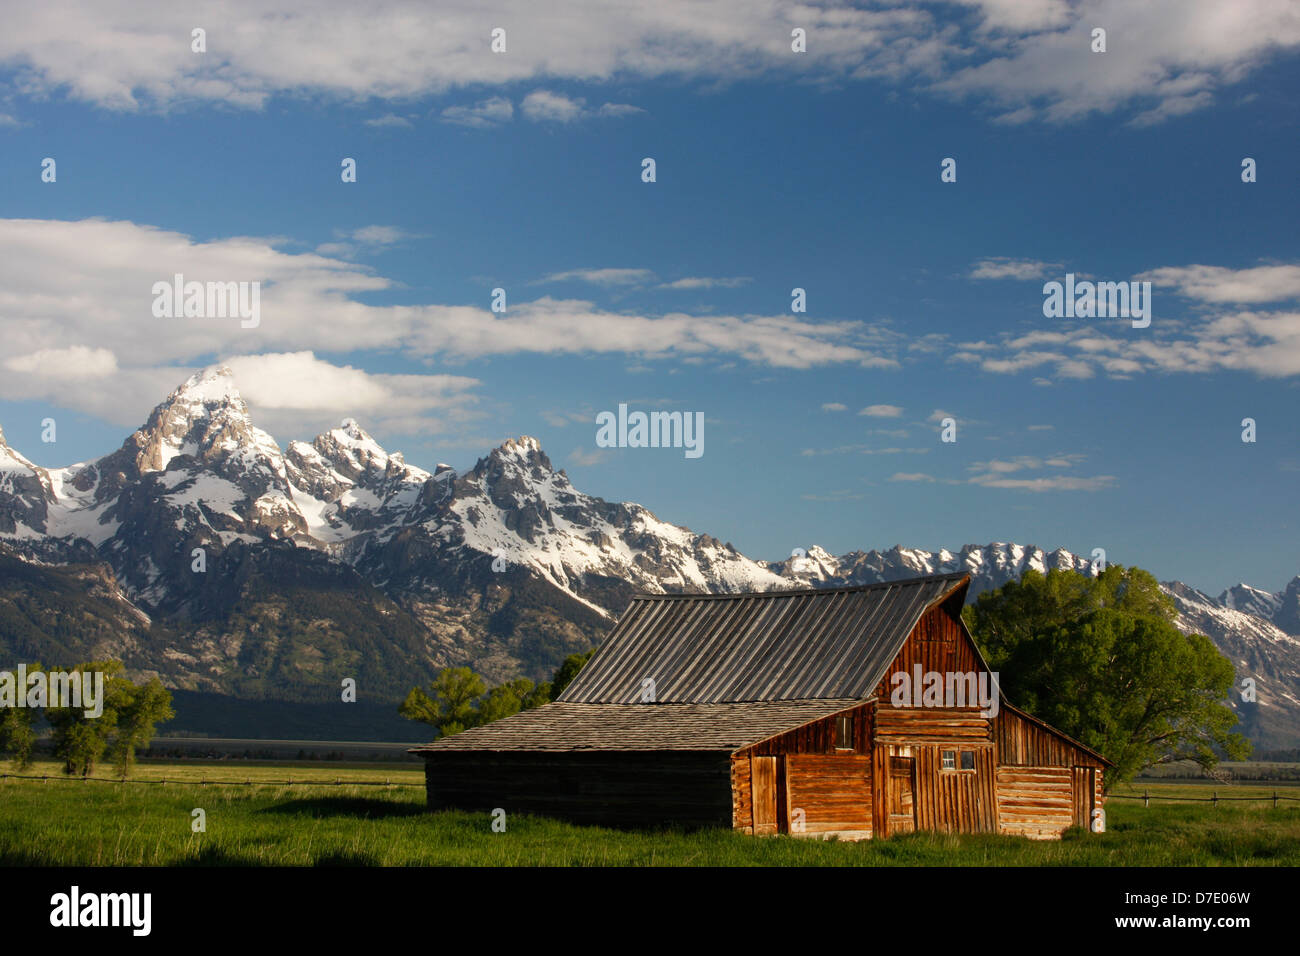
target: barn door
902 803
1083 786
763 791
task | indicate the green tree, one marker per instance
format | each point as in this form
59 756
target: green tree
127 721
17 730
568 671
79 740
140 710
17 736
451 706
460 699
1100 659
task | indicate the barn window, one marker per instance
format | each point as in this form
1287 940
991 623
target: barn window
844 732
968 760
950 760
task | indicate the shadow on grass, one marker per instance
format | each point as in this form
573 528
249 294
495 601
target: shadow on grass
365 808
214 856
346 859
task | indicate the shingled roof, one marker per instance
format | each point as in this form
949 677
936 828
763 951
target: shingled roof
830 643
724 728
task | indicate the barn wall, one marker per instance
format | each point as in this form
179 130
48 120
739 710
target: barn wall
1023 782
829 793
1024 743
961 801
937 643
1034 801
600 787
956 800
831 787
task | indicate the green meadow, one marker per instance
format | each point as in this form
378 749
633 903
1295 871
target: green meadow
371 815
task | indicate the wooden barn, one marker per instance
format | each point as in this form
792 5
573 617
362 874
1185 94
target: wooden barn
781 712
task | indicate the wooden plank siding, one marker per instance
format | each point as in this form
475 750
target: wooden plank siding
939 642
955 801
830 785
1024 743
1034 801
898 725
830 793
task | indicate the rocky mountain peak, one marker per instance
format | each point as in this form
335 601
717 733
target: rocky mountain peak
1243 597
205 417
1287 614
516 460
351 450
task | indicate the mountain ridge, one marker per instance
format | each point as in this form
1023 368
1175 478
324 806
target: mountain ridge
507 566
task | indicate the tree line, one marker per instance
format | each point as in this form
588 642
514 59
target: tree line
130 715
458 698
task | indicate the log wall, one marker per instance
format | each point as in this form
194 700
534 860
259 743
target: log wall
633 789
1034 801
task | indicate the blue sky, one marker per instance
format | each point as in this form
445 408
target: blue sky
775 170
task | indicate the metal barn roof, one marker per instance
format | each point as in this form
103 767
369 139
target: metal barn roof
833 643
627 727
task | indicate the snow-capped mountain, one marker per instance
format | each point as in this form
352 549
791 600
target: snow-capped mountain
264 570
1257 630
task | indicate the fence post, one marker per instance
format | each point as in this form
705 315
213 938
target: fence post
1274 799
1146 799
1214 798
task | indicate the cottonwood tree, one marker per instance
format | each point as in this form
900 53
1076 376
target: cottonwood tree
127 721
1100 659
459 699
17 733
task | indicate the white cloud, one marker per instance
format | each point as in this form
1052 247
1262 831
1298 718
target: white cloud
1168 56
1029 58
1219 284
995 474
1263 342
389 120
367 239
1021 15
910 476
1004 268
617 109
1055 483
64 365
490 112
704 282
296 394
834 407
309 306
604 277
546 106
882 411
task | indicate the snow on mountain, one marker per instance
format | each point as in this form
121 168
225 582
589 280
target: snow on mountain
450 547
990 566
199 473
1243 597
515 507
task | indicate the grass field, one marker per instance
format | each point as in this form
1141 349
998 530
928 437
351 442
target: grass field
320 822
